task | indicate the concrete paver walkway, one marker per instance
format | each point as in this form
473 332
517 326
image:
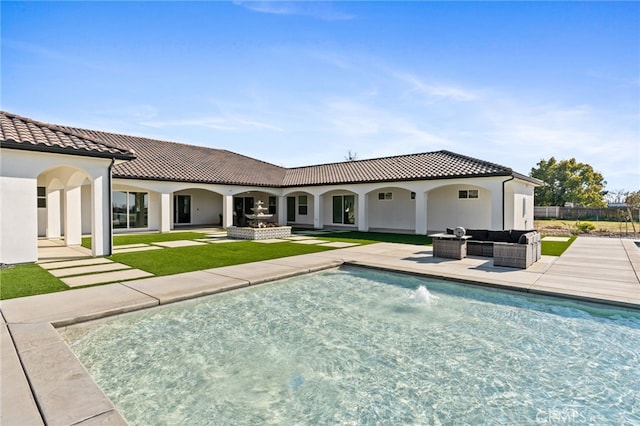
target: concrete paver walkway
603 270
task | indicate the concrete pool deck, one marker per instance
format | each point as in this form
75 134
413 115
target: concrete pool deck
44 383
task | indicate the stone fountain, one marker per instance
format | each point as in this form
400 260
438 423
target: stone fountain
259 226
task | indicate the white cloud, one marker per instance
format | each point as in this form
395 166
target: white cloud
319 10
220 123
441 91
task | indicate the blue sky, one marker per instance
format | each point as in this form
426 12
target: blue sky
298 83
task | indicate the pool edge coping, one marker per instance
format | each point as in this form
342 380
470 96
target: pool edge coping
327 262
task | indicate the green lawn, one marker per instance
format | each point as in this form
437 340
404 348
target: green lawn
374 237
556 248
27 280
195 258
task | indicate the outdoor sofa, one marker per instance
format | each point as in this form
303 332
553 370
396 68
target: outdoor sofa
512 248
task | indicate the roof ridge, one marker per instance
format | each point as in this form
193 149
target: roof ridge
174 143
466 157
58 128
366 160
251 158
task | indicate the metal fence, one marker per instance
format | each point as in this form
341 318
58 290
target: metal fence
615 214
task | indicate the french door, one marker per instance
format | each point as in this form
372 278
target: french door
182 205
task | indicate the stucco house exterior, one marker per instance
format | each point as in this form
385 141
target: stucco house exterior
59 181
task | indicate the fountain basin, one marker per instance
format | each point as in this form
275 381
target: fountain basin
248 233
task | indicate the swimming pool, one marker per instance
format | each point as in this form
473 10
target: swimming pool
359 346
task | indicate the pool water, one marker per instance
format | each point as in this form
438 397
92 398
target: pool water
356 346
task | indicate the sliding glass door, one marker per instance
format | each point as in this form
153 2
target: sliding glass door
344 209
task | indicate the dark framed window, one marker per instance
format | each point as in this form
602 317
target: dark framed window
385 195
302 205
468 193
42 197
273 207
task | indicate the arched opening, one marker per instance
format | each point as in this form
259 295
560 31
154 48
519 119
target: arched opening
64 204
197 207
244 203
300 209
391 209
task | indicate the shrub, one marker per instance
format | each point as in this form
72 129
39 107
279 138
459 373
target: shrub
584 227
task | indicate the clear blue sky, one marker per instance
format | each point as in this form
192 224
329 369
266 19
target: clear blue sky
302 83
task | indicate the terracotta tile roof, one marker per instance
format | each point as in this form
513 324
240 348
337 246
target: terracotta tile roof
161 160
18 132
171 161
424 166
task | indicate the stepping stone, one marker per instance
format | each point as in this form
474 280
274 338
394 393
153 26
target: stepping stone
225 240
558 239
270 241
129 250
106 277
310 242
179 243
299 238
90 269
339 244
126 246
72 263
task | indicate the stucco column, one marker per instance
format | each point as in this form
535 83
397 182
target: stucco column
496 208
165 212
100 226
73 216
282 210
318 220
227 211
18 220
421 213
54 197
363 212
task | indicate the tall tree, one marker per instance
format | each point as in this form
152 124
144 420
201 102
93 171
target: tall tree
633 200
568 181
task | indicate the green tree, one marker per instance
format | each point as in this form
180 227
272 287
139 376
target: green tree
633 200
568 181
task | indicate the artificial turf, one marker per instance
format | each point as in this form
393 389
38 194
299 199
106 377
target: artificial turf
195 258
27 280
556 248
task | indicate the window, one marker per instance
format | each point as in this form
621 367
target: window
42 197
385 195
130 209
302 205
272 205
413 195
468 193
344 209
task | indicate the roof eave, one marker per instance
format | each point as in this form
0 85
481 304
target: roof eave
11 144
348 182
208 182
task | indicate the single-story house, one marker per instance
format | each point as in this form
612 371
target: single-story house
59 181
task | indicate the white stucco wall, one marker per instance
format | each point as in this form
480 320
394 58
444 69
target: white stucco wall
398 213
519 204
18 219
446 210
21 171
302 219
